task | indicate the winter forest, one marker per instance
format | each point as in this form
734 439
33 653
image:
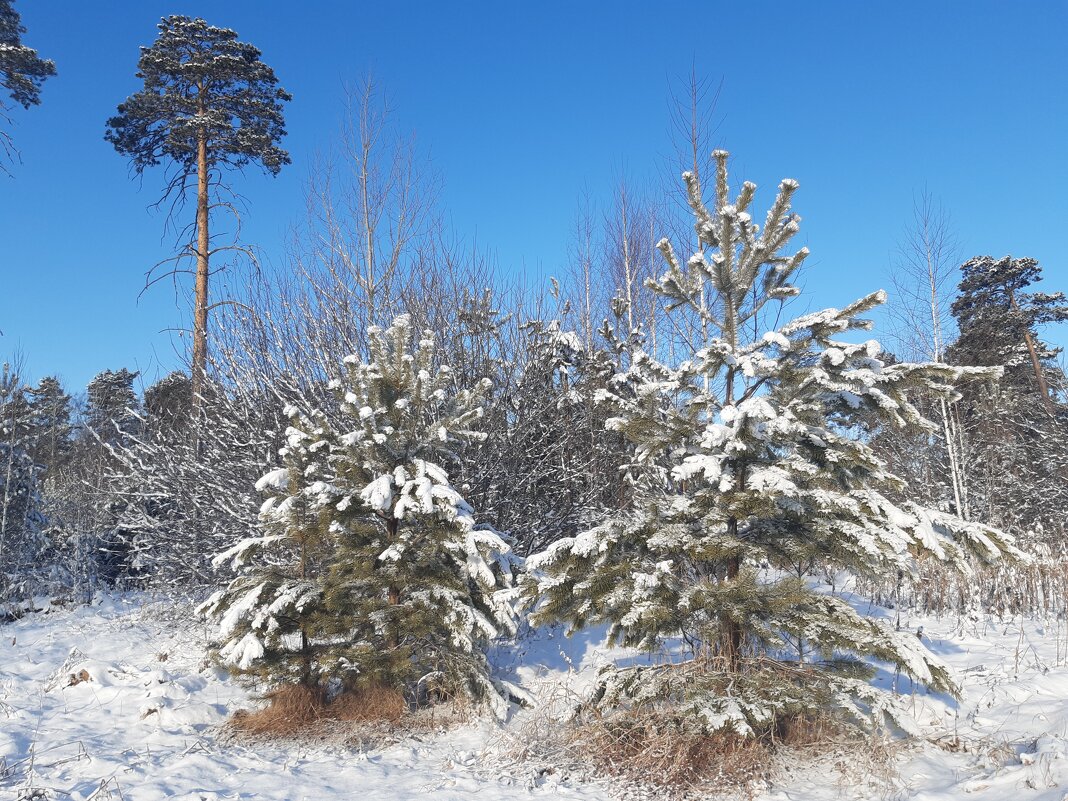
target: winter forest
402 520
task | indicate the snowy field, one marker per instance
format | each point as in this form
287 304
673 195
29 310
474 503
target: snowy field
144 725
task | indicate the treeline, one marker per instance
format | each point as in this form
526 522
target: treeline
123 490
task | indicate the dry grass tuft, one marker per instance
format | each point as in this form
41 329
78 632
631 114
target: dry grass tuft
291 709
652 748
661 750
362 718
374 705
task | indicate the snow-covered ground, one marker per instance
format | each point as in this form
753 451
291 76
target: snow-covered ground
144 726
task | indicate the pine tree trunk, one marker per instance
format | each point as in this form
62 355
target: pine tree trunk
732 639
200 307
1043 387
393 592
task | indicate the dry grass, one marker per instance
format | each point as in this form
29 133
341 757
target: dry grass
653 749
365 718
660 751
290 710
375 705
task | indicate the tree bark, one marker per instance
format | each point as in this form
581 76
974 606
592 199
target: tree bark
1043 387
393 593
732 640
200 306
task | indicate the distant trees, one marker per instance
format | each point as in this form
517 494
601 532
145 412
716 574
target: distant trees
998 320
999 455
22 71
22 522
112 405
208 104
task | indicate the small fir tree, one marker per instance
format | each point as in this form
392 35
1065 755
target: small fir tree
747 472
408 589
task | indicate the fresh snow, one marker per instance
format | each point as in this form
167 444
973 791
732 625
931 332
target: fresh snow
145 725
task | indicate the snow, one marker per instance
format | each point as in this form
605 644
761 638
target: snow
145 724
276 480
378 495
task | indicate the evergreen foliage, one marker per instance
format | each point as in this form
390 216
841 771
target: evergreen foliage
1015 431
112 408
200 80
371 568
748 472
996 317
51 419
169 406
22 71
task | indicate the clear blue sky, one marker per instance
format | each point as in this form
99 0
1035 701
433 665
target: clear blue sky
521 105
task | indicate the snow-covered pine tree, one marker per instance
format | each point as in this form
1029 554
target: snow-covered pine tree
748 472
111 406
418 588
111 420
406 588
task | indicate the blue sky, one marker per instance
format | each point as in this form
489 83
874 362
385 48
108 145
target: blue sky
522 105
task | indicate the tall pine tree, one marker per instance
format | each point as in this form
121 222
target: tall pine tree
208 104
1016 431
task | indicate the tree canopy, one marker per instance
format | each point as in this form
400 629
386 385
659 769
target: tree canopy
200 80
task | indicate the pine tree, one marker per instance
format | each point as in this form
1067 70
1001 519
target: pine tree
1015 430
748 472
386 578
111 421
22 71
51 422
169 406
112 409
998 321
208 104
